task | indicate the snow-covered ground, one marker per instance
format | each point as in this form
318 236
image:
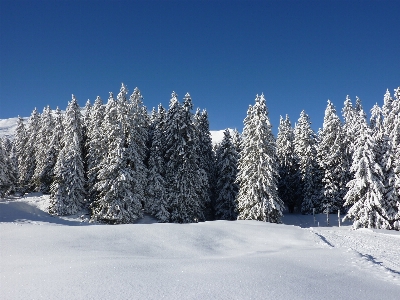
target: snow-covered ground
46 257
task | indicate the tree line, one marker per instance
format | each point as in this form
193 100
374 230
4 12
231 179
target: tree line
120 162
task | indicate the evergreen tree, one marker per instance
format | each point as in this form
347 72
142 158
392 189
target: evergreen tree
11 165
258 168
237 140
388 141
43 174
376 119
95 147
396 136
67 189
366 189
206 162
86 120
332 161
183 175
137 137
289 181
156 193
27 156
5 181
117 198
226 187
349 116
19 146
305 142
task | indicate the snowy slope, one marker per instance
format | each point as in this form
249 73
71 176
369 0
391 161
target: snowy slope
8 126
45 257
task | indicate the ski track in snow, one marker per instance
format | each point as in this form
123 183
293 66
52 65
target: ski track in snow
373 250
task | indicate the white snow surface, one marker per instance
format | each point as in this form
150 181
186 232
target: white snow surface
48 257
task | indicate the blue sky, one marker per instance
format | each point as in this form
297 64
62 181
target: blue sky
298 53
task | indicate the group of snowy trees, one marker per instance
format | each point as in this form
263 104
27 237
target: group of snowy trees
119 161
352 166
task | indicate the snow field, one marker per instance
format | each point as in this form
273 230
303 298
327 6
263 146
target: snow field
44 257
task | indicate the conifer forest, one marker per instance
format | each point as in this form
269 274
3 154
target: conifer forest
120 162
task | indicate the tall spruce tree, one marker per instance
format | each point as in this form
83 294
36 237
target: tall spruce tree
388 141
95 147
156 191
257 177
289 176
117 201
11 165
5 180
205 163
332 160
305 143
183 174
138 123
44 174
67 190
226 187
27 155
20 146
366 189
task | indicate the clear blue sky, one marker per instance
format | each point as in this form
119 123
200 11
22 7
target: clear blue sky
298 53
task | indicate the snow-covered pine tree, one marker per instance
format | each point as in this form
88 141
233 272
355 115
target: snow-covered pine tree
289 181
5 181
19 145
117 200
226 187
11 165
206 162
43 175
257 177
86 120
388 141
156 194
183 175
305 142
52 151
331 155
95 145
349 116
137 138
396 224
376 120
387 104
67 189
237 140
28 154
366 189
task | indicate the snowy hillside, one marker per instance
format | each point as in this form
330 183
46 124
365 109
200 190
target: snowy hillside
7 129
47 257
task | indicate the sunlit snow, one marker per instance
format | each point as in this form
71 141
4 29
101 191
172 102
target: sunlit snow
47 257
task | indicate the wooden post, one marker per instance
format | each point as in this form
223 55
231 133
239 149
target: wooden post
338 216
327 214
313 213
